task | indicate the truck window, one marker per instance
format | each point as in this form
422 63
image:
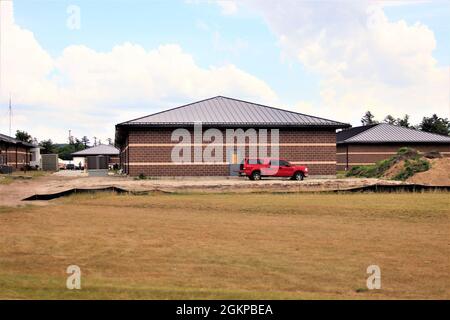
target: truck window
254 161
284 163
275 163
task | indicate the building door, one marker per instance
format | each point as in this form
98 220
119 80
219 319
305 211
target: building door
234 165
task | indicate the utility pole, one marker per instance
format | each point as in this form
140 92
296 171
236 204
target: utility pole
95 141
10 114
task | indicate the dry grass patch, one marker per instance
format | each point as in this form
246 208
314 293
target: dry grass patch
20 175
228 246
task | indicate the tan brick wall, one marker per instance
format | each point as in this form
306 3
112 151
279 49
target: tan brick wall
369 154
14 157
314 148
114 160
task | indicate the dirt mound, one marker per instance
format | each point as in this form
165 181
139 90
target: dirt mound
438 175
394 170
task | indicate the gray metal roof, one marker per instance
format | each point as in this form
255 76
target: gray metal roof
8 139
101 149
388 133
227 111
12 140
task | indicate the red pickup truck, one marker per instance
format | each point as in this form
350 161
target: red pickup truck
254 169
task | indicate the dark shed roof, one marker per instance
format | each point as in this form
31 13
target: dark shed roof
223 111
11 140
388 133
101 149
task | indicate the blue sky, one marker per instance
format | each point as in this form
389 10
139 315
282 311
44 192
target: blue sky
276 46
151 23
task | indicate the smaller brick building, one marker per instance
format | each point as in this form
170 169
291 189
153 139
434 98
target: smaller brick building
109 151
14 153
366 145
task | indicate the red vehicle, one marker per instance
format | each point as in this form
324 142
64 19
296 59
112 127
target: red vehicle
254 169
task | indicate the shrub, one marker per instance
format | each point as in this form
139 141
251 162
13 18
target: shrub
406 153
413 164
360 171
373 171
27 167
412 167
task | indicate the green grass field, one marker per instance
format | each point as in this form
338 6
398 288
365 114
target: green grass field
228 246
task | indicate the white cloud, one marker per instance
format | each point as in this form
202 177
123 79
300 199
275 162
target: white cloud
364 60
233 47
227 6
89 91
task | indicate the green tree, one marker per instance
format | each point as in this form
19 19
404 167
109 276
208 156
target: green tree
390 119
404 122
368 119
65 151
435 124
77 144
23 136
49 146
85 141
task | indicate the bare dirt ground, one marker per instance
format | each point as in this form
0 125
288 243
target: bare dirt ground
11 194
438 175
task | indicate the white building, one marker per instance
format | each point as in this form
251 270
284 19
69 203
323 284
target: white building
36 159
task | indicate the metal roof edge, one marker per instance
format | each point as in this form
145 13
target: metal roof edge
338 124
349 140
392 142
231 124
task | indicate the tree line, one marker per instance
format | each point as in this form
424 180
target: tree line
64 150
433 124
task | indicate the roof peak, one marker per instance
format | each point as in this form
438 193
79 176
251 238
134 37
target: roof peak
106 149
225 110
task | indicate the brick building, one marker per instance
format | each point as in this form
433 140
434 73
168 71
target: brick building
15 153
147 144
366 145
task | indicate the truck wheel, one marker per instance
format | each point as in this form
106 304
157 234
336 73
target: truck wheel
256 175
298 176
